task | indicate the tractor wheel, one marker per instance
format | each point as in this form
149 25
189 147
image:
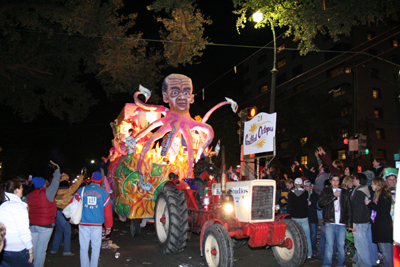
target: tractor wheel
295 252
135 227
238 243
217 247
171 220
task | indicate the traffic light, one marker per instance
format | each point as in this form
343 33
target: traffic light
252 111
362 144
242 115
346 141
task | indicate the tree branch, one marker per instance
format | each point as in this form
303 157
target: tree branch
54 8
183 18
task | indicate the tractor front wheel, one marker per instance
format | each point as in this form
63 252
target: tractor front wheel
217 247
293 253
171 220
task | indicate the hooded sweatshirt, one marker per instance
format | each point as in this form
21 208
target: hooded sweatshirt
361 212
297 205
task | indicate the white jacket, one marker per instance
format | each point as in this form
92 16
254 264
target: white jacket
14 215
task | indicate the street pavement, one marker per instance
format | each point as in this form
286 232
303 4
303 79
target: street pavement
143 251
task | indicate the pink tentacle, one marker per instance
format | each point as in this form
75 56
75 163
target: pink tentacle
151 127
175 130
149 144
116 145
155 108
208 130
189 145
208 114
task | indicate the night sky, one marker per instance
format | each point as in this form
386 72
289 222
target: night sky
27 147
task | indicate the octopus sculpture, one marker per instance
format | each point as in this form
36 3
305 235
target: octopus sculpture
177 91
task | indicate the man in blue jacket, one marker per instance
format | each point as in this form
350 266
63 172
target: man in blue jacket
96 212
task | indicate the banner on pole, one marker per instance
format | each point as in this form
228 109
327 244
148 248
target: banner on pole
259 133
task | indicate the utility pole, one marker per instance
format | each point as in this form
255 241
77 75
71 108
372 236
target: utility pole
355 112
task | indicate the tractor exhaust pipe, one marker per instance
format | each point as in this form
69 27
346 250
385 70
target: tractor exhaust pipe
223 171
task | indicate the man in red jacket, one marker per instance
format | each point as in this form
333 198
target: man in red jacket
96 212
42 214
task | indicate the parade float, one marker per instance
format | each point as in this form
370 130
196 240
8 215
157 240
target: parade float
151 142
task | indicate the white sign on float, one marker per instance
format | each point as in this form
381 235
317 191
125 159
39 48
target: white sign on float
259 133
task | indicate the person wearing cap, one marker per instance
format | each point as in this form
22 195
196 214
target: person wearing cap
42 214
361 220
96 212
297 207
63 227
390 176
337 215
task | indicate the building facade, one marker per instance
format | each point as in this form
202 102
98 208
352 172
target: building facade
347 87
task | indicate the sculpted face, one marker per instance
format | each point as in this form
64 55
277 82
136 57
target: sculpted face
177 91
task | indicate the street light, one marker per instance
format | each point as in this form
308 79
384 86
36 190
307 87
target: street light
257 17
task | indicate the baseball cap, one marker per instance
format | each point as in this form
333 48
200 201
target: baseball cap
97 178
306 182
298 181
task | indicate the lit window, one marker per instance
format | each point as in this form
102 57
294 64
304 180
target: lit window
303 141
376 93
303 160
342 154
285 145
344 133
395 43
378 113
281 63
281 48
336 72
338 91
380 133
263 88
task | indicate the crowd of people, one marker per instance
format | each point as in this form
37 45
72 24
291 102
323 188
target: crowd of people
31 211
340 203
332 198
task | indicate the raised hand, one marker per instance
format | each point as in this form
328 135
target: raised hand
83 171
54 165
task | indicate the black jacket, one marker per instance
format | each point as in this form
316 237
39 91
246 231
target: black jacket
297 204
326 201
361 213
382 228
312 209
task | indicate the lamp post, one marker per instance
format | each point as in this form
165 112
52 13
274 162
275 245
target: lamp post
257 17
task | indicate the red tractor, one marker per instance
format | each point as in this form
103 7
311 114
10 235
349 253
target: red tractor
232 214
